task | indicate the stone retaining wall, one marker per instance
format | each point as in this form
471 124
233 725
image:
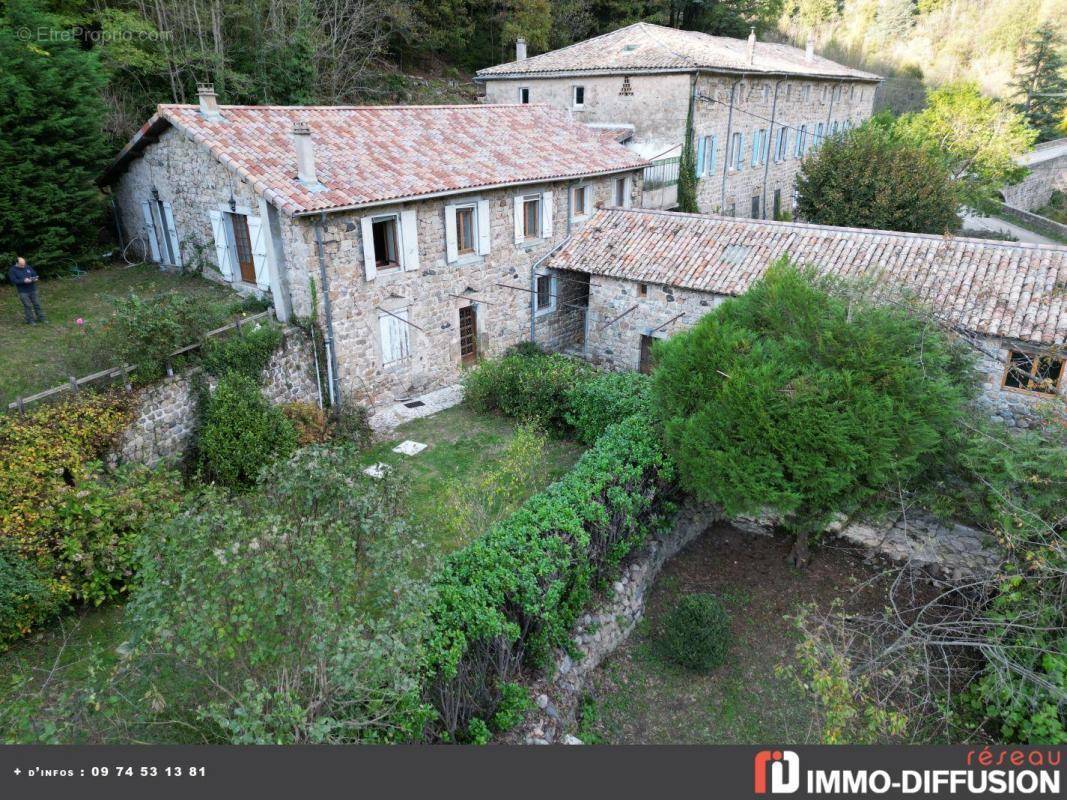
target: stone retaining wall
165 415
1034 222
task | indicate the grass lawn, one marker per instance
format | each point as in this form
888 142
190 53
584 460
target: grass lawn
636 698
37 357
462 446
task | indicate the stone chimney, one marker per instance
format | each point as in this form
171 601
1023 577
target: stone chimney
520 49
209 104
751 45
305 154
809 51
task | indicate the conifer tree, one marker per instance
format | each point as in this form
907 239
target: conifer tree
1041 81
51 140
687 171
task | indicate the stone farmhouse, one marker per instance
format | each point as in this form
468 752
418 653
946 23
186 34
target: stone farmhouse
413 233
757 107
646 274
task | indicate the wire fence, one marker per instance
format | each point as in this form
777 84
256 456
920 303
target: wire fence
75 385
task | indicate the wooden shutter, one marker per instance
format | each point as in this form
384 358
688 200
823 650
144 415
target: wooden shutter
519 237
370 269
385 329
713 145
257 233
451 244
701 152
484 236
150 230
222 244
401 342
409 240
546 215
172 234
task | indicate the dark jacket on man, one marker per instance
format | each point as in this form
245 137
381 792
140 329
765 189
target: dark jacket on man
18 275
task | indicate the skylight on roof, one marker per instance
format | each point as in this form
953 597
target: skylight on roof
629 48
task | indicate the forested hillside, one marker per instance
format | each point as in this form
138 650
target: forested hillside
380 51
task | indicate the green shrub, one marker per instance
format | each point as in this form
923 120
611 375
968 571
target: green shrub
514 703
290 615
351 422
247 353
532 388
604 398
26 599
144 332
696 633
516 591
240 432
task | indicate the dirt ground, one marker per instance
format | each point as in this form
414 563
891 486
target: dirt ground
636 698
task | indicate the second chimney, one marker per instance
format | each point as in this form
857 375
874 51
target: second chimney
809 51
520 49
209 104
751 45
305 154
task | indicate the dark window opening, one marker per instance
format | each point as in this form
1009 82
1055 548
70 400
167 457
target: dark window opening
1032 373
242 245
642 290
777 203
531 218
620 192
544 292
755 207
386 253
644 363
524 95
579 95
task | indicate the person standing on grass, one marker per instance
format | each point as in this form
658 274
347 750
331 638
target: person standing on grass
25 277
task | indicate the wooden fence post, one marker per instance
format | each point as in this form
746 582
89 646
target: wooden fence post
73 384
20 404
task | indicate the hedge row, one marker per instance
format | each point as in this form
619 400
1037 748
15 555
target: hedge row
515 593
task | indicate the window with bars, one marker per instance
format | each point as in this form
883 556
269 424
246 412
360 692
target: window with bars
1033 373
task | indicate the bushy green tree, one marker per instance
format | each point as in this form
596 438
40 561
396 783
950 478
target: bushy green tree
976 137
806 402
51 141
1041 81
870 178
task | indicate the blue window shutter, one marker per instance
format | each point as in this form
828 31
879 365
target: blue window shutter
755 148
712 143
700 156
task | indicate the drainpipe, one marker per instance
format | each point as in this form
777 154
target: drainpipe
331 355
726 146
770 144
830 111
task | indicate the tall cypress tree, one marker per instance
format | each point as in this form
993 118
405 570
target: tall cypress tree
1041 81
51 140
687 170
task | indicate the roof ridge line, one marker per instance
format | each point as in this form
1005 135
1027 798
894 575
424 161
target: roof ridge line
566 47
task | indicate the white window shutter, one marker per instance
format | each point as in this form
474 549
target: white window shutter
370 268
385 330
484 232
518 220
222 244
150 229
451 245
401 342
172 234
627 199
257 235
546 215
409 234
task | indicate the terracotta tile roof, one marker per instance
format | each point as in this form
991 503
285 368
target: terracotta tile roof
1017 291
374 154
612 132
643 47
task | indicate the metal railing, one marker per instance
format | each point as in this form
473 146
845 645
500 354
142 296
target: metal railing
661 173
74 385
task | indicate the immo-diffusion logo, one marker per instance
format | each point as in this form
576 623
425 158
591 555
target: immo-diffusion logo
1011 771
784 769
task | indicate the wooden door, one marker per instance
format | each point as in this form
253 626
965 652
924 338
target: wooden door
645 363
468 335
242 244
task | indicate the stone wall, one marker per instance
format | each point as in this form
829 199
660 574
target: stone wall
496 285
1014 407
563 330
1045 177
165 415
1034 222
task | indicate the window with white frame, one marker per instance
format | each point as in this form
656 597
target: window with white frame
393 329
782 149
531 217
737 154
466 230
386 233
545 295
390 242
524 94
802 136
465 243
578 96
759 146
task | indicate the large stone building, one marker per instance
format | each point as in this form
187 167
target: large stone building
757 107
412 232
638 275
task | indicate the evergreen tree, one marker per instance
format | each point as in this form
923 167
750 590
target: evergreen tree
687 170
1041 81
51 141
